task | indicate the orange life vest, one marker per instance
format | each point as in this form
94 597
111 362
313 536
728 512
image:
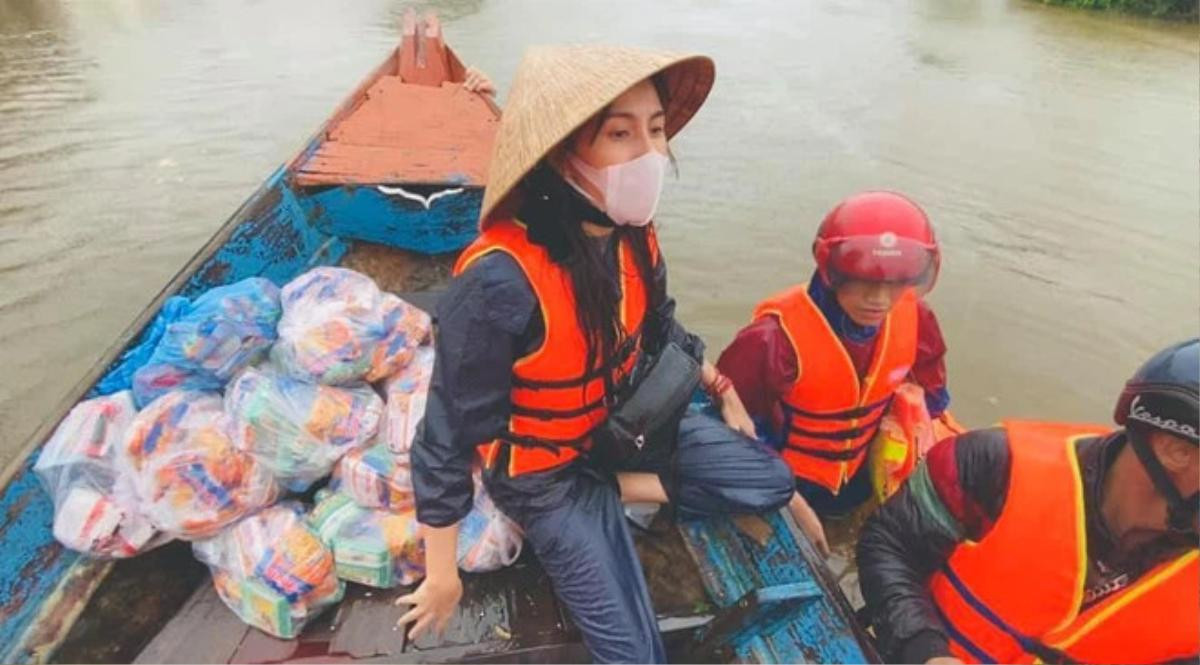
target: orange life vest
1015 596
556 400
829 415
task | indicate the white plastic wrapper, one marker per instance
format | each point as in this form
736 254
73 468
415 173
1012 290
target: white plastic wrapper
338 327
189 479
298 429
407 392
272 570
375 477
378 548
94 510
487 538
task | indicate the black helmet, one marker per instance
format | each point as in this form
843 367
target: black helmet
1165 392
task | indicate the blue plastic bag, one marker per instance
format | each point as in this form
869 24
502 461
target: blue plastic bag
120 376
223 331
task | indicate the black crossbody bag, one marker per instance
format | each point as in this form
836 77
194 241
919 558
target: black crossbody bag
645 419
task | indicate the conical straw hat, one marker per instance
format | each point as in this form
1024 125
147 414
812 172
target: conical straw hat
558 88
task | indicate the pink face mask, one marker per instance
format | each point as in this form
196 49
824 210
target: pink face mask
630 190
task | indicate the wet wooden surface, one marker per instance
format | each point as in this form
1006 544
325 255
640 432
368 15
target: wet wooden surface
510 614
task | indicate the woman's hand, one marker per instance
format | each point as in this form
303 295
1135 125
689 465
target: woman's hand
944 660
806 518
477 81
734 413
433 604
434 601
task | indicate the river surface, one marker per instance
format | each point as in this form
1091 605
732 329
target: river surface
1058 153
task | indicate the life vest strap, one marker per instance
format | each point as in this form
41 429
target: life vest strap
834 455
627 349
555 414
856 412
838 435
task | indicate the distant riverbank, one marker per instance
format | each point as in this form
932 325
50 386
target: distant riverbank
1178 10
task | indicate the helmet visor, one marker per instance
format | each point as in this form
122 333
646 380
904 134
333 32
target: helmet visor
884 258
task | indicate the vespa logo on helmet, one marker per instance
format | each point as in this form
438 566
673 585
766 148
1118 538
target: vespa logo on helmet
887 244
1142 414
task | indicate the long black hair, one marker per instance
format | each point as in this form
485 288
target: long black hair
553 212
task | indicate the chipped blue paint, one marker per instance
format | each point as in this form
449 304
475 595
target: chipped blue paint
31 562
448 224
732 566
276 240
272 237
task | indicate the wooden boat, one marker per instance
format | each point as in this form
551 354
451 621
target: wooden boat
391 186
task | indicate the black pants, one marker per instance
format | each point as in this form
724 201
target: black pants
573 518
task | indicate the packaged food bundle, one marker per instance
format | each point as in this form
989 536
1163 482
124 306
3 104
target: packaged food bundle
222 331
298 429
94 510
407 327
374 547
333 321
906 433
272 570
375 477
188 477
407 391
487 538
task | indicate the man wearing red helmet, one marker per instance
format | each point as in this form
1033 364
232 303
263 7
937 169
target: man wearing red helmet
821 361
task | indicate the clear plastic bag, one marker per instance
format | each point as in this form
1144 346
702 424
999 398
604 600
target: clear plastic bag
375 478
407 327
374 547
487 538
406 393
94 510
298 429
223 330
332 323
272 570
189 479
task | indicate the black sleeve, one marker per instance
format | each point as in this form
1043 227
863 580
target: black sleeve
662 327
481 321
960 485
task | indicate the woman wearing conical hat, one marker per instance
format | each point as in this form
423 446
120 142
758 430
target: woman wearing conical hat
549 311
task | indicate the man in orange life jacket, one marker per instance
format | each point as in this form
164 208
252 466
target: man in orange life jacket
820 362
1052 542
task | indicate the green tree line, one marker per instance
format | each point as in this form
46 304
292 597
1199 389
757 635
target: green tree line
1177 9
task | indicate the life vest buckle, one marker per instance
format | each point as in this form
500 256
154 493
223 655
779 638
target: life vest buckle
639 441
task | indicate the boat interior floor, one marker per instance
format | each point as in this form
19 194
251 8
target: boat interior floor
161 607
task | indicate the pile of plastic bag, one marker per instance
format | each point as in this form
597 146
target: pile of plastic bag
189 479
375 478
214 337
378 548
297 429
272 570
407 391
94 509
222 432
338 327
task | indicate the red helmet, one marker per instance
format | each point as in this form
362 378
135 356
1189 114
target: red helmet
877 237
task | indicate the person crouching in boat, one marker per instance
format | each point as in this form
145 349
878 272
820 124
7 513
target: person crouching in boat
1050 542
821 361
562 295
